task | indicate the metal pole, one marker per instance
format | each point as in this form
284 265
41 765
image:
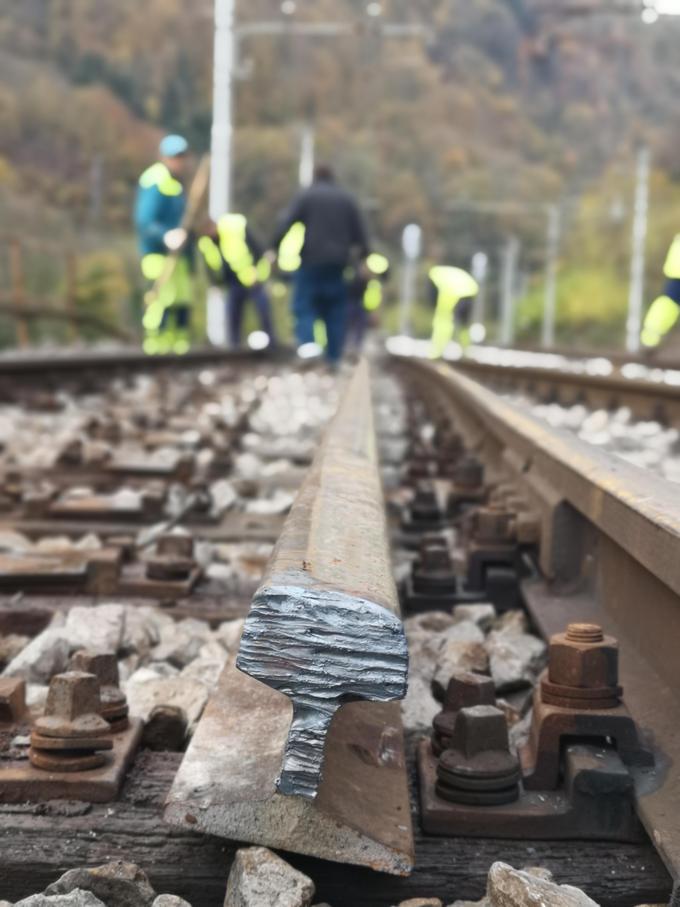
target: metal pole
638 256
18 279
408 295
552 254
412 246
510 258
480 271
307 155
222 127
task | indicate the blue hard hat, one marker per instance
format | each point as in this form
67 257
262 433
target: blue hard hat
173 146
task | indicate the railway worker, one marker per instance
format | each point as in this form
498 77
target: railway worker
366 292
333 229
159 212
453 291
235 260
665 310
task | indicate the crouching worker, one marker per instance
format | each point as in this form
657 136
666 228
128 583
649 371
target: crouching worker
453 291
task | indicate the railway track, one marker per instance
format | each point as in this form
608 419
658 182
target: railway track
649 391
164 492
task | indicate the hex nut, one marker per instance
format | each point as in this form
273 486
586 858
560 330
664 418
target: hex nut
584 660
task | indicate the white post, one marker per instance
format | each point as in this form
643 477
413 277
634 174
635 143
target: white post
510 257
480 272
638 253
411 244
221 150
222 127
552 254
307 155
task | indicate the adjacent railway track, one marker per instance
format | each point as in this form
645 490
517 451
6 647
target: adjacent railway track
607 544
651 392
500 509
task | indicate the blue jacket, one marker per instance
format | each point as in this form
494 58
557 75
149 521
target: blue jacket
159 207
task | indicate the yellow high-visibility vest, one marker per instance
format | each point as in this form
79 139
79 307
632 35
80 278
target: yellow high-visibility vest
671 268
453 284
290 249
159 176
231 229
378 265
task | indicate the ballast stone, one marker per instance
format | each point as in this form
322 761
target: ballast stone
46 655
100 629
117 884
170 900
259 877
530 887
77 898
515 659
421 902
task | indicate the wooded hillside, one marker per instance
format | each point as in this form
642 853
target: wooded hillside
497 103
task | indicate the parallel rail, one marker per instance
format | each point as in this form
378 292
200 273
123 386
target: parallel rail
650 392
609 552
76 363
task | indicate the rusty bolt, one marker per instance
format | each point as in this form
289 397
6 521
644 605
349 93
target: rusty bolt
527 528
174 558
434 554
12 699
492 526
584 657
72 708
479 767
583 665
469 473
114 707
467 689
425 503
478 729
104 667
176 545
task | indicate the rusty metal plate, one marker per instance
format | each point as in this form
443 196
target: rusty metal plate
651 701
226 785
20 782
577 812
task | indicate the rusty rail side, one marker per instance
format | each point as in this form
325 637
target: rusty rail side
326 777
609 552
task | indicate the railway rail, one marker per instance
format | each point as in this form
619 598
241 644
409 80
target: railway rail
494 519
650 391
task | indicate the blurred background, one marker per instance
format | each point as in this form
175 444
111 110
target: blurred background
516 132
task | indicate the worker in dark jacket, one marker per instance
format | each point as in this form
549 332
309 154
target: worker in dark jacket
333 230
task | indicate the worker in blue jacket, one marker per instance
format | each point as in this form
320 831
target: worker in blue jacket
159 212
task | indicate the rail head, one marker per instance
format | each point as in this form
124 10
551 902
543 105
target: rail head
324 627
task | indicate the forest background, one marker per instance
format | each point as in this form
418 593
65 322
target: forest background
505 107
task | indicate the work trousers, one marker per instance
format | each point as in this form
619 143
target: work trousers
236 303
167 318
320 293
358 321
